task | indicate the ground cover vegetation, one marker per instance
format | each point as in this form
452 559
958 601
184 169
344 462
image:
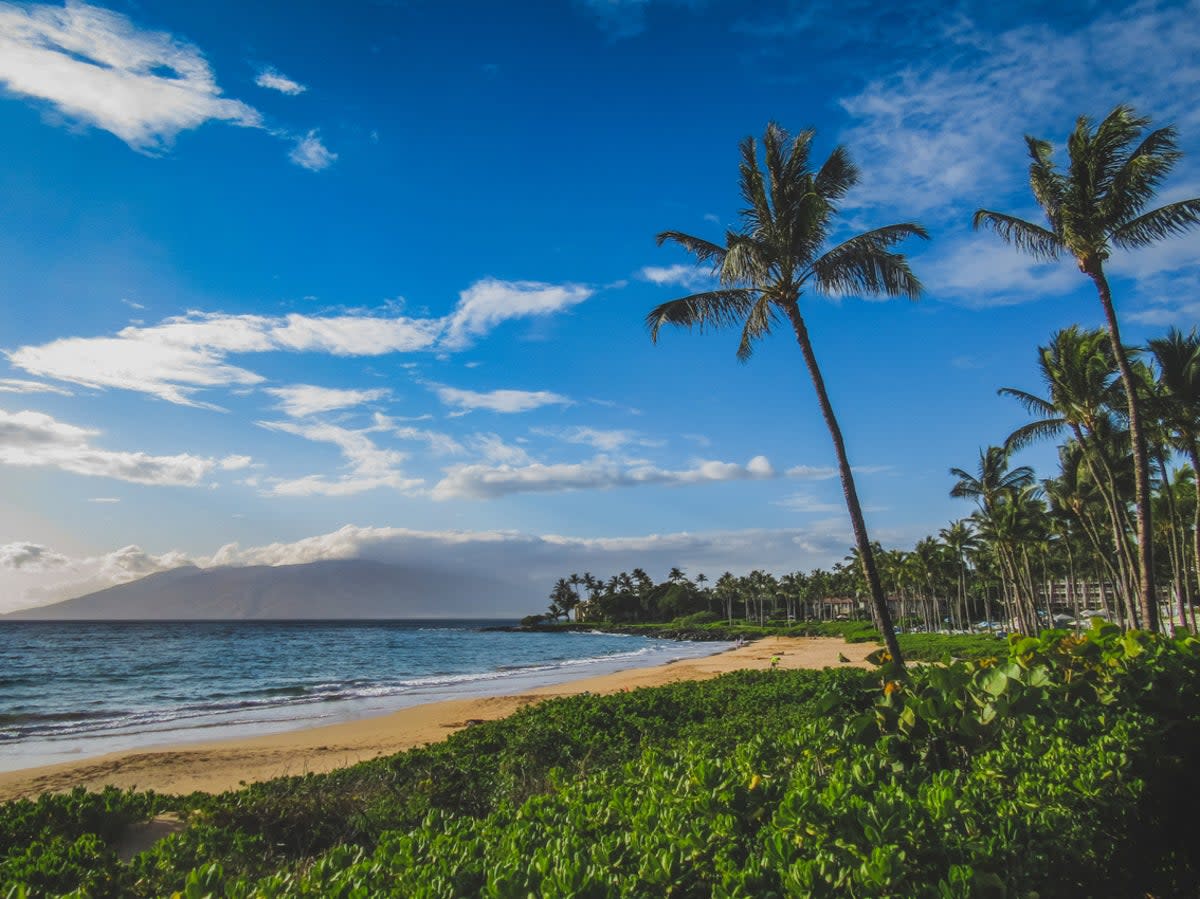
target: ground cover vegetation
1062 766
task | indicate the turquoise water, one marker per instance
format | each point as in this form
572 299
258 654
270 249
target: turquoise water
73 689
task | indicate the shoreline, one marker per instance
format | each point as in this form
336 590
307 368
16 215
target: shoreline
216 766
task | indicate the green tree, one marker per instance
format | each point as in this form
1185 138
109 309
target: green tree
1178 360
1098 203
779 252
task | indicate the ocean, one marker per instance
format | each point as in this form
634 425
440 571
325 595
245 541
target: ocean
70 690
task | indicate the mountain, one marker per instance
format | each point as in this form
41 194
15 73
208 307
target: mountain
351 588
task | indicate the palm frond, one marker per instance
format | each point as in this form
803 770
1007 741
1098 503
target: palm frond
1108 145
753 187
798 155
758 324
705 251
1045 179
1033 432
836 176
1134 183
712 310
745 263
1152 226
1034 405
864 264
774 141
1025 236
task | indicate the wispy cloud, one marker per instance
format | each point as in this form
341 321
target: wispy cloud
620 18
19 385
183 355
608 440
302 400
805 502
94 66
35 440
688 277
980 271
310 153
492 481
503 401
272 79
369 466
944 137
489 302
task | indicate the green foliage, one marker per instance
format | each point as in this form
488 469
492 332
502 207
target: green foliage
1061 767
65 841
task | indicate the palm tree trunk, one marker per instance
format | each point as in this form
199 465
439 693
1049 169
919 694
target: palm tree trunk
1147 595
870 572
1118 516
1194 458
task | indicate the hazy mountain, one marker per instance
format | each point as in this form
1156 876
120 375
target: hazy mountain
353 588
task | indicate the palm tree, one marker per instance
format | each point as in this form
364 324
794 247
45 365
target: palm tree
1178 360
779 252
1080 372
1098 203
994 480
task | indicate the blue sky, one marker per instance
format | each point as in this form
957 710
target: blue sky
294 282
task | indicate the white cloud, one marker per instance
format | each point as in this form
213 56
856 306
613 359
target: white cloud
981 271
369 467
310 153
493 449
277 81
945 136
94 66
19 385
182 355
600 438
812 473
106 500
804 502
688 277
30 557
34 440
504 401
489 302
302 400
477 481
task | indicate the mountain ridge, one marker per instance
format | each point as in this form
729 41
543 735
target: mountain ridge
330 589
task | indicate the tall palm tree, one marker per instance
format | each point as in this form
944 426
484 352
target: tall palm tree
1178 360
1099 203
779 252
1079 369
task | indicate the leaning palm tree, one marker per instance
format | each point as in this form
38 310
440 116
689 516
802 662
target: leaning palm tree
1099 203
779 252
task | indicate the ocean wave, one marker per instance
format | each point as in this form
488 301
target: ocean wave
216 689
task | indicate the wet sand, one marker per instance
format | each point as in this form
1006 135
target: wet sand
224 765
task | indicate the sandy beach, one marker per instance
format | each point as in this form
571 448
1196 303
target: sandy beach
224 765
